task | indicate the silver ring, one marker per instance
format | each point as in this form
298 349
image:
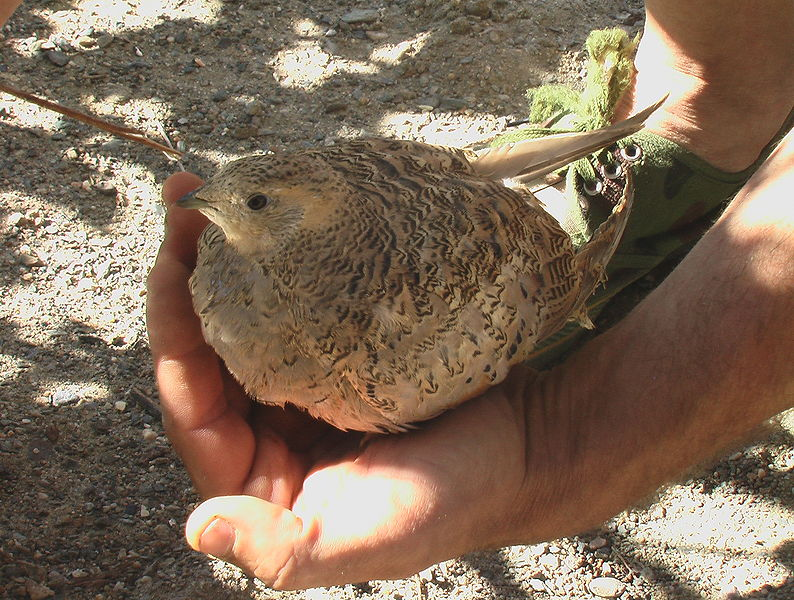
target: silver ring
611 171
631 152
593 190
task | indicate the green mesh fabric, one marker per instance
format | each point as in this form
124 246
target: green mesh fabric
677 196
610 70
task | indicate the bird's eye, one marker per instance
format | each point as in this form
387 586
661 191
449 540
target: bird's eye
257 202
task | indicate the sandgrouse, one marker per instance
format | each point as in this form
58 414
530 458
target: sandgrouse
378 282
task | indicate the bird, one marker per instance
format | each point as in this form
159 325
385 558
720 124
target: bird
378 282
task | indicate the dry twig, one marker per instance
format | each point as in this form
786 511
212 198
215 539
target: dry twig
126 132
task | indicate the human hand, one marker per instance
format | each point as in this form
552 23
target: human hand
300 504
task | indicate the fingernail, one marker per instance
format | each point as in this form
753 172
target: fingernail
218 539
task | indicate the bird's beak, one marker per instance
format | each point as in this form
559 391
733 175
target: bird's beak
190 200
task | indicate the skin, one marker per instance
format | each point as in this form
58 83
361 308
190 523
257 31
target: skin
300 505
7 7
728 67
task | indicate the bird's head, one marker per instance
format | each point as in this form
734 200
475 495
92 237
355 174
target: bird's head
263 202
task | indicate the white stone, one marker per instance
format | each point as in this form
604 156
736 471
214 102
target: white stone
537 585
549 561
15 219
606 587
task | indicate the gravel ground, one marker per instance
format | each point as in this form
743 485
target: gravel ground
92 498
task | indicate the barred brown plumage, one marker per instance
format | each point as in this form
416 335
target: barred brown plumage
378 282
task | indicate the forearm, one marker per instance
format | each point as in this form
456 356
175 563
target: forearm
695 368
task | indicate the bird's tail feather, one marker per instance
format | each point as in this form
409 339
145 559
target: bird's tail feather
535 158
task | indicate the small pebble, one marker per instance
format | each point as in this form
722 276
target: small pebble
538 550
113 145
30 260
377 36
335 107
120 405
478 8
596 543
149 435
37 591
79 574
537 585
16 219
104 40
63 44
86 42
549 561
254 108
245 132
56 579
447 103
427 103
606 587
57 57
460 26
360 15
105 188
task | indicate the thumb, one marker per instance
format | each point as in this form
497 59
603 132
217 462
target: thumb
256 535
183 226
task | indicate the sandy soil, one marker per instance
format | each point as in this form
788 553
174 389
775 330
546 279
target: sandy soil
92 498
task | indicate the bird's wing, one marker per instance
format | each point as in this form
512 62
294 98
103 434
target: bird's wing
534 158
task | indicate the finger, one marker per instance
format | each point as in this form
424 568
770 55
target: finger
183 225
260 537
201 414
356 526
173 327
